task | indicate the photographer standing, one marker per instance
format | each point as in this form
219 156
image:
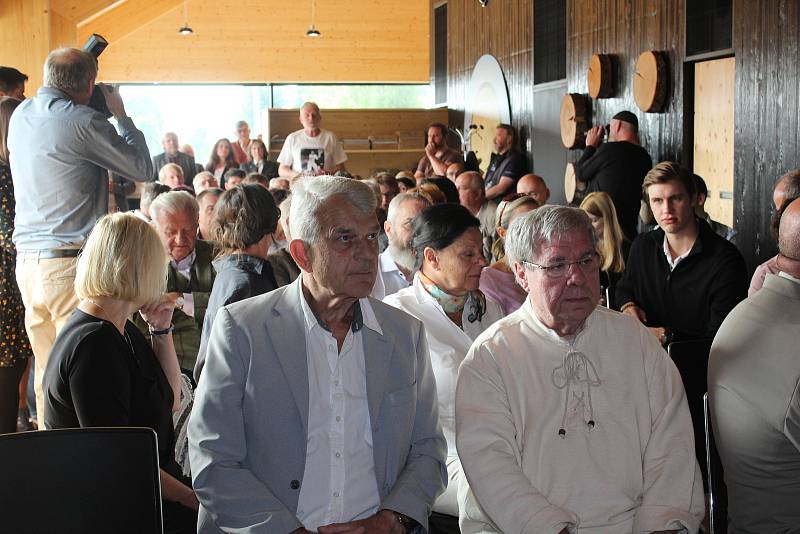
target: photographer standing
617 167
60 151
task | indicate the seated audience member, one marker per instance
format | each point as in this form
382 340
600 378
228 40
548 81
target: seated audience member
569 416
190 275
611 242
284 268
279 183
396 264
342 428
232 178
202 181
279 240
454 170
753 376
506 166
445 185
256 179
221 161
103 371
702 195
149 194
12 83
389 189
171 175
447 243
258 161
534 186
206 201
498 280
430 191
188 150
681 279
438 156
171 154
787 186
243 144
311 150
472 195
404 183
617 167
242 228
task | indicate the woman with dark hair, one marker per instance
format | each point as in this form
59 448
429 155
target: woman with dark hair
498 280
15 349
221 161
245 218
448 245
258 161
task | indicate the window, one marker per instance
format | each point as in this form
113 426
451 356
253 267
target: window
549 40
440 54
709 26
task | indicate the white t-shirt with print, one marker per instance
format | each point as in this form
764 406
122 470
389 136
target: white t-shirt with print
310 154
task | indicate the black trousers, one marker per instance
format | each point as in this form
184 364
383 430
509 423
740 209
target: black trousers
9 396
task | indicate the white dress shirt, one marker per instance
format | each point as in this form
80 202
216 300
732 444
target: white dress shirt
390 278
339 481
184 269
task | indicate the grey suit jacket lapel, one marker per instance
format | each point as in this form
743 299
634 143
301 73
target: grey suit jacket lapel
378 354
288 337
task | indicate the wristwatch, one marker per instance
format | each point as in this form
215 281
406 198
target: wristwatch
179 302
406 522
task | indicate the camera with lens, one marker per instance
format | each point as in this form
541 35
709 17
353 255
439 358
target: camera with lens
95 46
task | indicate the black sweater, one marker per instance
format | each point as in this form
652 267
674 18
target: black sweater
692 300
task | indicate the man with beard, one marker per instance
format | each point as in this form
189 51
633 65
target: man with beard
506 166
396 264
438 156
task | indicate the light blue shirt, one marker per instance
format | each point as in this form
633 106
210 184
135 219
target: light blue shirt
59 153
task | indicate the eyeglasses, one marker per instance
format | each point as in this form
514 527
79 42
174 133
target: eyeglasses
560 269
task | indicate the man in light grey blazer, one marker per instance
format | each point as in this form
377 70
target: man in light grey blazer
316 410
754 395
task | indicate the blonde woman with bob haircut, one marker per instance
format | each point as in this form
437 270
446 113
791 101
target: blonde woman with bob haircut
612 245
102 371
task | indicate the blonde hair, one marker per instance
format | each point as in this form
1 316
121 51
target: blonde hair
600 205
123 259
431 192
162 172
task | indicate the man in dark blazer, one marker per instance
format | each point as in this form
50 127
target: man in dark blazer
172 155
317 410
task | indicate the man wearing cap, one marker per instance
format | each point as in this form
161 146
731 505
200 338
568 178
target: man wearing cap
617 167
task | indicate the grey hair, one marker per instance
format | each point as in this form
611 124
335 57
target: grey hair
175 202
285 208
69 69
529 232
310 192
394 205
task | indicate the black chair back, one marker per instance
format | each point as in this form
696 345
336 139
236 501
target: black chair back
81 480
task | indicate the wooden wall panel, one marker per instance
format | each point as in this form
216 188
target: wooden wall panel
25 38
767 45
256 41
504 30
625 29
714 96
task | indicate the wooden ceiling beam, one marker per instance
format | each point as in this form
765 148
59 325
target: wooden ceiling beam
123 18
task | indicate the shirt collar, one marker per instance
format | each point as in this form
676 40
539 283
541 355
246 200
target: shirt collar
250 263
386 263
673 263
186 263
789 277
363 314
549 333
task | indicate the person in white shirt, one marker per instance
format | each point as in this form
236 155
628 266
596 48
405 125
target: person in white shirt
445 297
396 263
571 417
316 410
311 150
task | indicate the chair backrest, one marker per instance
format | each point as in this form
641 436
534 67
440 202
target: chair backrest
81 480
718 492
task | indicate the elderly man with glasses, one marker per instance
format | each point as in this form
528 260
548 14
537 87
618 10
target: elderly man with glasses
571 417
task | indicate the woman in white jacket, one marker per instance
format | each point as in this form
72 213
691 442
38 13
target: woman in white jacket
448 246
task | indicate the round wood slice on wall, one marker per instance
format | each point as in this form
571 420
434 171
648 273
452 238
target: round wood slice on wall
574 189
574 120
650 81
598 77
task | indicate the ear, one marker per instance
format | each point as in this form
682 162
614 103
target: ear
501 232
522 276
431 257
301 253
387 227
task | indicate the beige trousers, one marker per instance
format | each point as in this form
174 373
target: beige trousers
47 288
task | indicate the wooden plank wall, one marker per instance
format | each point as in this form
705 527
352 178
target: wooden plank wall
626 28
504 29
25 38
767 143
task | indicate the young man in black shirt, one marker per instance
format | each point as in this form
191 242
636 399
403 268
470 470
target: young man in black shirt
617 167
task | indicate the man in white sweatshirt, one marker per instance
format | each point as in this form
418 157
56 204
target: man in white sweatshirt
571 417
